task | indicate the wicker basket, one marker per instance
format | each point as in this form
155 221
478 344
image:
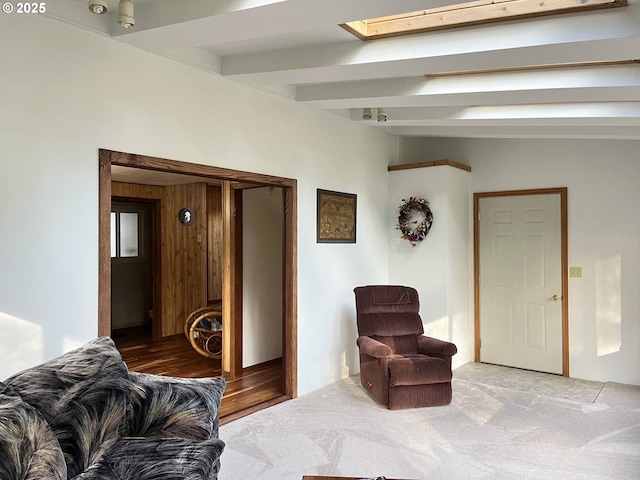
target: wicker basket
203 329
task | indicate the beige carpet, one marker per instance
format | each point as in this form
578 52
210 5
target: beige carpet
503 423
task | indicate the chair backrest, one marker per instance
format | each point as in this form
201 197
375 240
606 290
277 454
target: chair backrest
389 313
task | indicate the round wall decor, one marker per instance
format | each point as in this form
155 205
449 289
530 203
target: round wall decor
186 216
414 219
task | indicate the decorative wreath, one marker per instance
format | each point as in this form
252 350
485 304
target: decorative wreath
414 219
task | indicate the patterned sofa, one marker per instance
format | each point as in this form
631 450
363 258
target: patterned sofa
83 415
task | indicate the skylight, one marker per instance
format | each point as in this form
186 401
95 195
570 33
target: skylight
469 13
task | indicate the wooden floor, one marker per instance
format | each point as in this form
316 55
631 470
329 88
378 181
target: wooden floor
258 387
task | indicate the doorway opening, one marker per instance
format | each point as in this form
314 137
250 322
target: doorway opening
231 186
132 272
514 277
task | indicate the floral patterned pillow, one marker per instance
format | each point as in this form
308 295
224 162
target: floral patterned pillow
29 450
158 459
83 396
166 407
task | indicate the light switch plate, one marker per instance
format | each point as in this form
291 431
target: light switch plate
575 272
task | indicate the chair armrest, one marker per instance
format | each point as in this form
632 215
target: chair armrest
373 347
433 346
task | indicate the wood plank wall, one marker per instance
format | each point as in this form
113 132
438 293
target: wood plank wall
132 190
184 255
214 243
183 259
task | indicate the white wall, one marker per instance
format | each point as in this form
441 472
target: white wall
67 92
439 266
603 181
262 237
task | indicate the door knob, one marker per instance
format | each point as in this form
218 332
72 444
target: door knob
555 298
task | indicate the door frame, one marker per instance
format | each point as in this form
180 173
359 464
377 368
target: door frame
232 321
564 254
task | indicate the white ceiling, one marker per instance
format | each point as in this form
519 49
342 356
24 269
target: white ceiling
296 49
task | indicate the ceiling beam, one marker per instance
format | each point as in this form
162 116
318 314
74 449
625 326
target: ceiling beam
600 113
548 66
303 64
232 20
587 132
493 98
422 91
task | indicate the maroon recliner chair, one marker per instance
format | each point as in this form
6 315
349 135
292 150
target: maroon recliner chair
399 366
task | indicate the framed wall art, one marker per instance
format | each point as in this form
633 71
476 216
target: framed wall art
336 217
186 216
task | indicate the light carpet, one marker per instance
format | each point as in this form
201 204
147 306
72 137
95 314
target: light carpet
503 423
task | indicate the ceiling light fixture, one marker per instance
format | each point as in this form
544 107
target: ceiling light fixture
366 114
382 115
99 7
125 13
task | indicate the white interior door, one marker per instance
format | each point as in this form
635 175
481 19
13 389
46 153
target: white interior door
521 281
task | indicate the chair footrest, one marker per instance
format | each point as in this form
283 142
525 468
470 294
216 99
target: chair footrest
418 370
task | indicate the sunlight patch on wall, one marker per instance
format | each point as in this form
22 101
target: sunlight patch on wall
438 329
21 345
346 371
609 305
71 344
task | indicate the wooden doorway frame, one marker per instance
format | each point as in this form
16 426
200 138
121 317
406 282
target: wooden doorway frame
232 321
564 253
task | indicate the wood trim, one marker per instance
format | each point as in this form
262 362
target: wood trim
104 243
357 28
238 275
246 186
290 331
468 14
229 323
564 229
290 293
564 247
194 169
434 163
476 277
